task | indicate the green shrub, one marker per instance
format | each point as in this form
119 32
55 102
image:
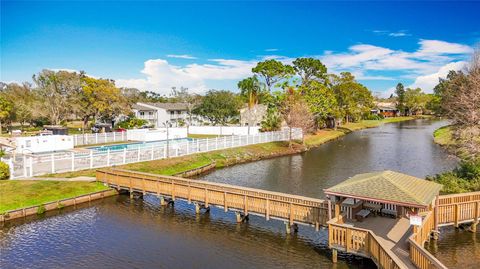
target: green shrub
374 117
41 209
464 178
132 122
4 171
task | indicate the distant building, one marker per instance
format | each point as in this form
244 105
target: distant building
386 109
253 116
157 114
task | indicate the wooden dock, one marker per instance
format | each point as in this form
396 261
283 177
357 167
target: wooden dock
292 209
390 243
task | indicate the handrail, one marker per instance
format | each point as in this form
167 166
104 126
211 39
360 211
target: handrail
362 241
233 189
459 198
419 256
292 208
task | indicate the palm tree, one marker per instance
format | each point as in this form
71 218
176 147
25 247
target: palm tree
251 89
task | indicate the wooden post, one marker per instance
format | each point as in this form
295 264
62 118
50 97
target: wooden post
206 197
189 198
473 228
329 213
337 209
197 208
245 203
334 256
435 214
348 238
173 191
457 215
290 220
225 207
267 209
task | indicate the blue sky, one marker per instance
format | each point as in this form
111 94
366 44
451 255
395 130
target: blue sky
202 45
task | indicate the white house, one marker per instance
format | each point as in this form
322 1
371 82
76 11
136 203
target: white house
252 116
157 114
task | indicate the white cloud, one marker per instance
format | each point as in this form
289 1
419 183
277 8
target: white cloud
400 33
428 82
182 56
441 47
270 50
160 75
431 60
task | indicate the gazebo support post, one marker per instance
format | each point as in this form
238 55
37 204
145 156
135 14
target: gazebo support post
334 255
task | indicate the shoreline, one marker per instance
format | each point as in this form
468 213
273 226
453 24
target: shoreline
240 155
198 164
42 208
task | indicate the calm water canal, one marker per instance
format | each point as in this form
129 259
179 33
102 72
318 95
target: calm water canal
123 233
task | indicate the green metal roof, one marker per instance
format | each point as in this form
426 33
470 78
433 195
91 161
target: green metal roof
388 186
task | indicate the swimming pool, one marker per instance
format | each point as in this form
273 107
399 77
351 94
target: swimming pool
137 145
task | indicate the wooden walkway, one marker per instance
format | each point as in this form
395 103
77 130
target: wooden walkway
391 244
292 209
401 247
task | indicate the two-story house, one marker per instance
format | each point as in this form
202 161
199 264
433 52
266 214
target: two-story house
157 114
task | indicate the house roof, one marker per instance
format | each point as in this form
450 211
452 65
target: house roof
388 186
166 106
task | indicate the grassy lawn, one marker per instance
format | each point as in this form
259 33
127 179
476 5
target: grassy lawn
443 136
16 194
221 157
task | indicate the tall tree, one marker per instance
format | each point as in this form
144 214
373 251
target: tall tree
461 102
251 89
191 100
415 100
99 99
353 99
273 71
310 69
295 112
219 107
6 109
320 100
400 92
55 90
24 102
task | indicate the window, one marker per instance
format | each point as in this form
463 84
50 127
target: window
142 113
150 113
172 112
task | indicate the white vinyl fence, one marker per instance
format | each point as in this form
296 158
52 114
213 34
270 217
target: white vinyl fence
35 165
99 138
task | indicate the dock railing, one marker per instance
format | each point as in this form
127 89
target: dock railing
271 205
362 242
419 256
454 209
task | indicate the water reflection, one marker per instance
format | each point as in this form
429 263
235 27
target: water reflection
122 233
405 147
